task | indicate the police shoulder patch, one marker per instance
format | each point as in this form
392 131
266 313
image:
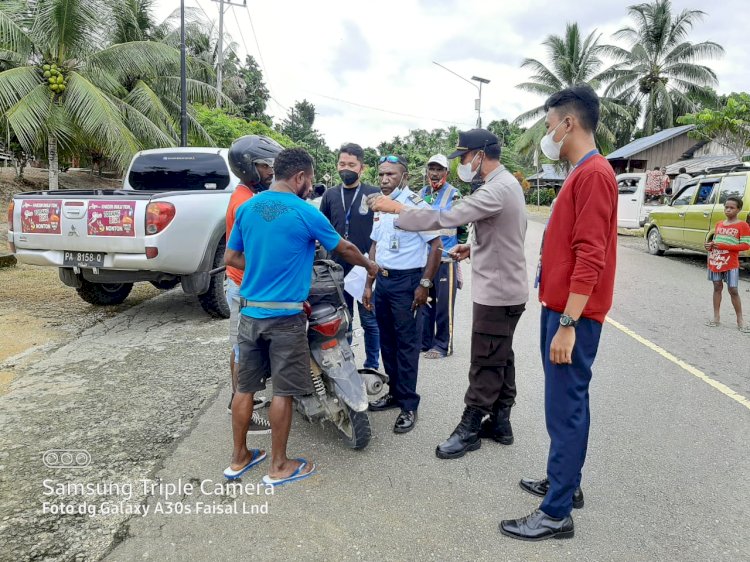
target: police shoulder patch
416 199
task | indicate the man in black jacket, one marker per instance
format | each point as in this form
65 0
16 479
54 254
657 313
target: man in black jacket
344 206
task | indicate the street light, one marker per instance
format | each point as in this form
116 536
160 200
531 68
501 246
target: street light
479 100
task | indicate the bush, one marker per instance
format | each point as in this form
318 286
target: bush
546 195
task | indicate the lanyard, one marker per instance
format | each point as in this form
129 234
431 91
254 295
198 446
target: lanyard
348 212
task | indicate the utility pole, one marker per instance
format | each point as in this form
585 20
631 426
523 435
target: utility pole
183 79
220 67
479 100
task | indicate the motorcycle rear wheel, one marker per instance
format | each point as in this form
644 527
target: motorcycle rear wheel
355 430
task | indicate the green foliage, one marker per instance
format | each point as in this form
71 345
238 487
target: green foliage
252 106
546 196
728 126
224 128
658 73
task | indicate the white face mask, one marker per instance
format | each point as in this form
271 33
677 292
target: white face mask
550 148
465 173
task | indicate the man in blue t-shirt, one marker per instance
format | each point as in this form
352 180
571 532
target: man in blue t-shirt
273 241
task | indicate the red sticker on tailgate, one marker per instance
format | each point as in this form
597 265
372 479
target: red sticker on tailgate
111 218
41 216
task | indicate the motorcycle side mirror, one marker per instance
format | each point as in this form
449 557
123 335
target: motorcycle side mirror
318 190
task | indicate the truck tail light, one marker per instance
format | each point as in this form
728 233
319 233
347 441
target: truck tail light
10 214
151 252
158 217
329 329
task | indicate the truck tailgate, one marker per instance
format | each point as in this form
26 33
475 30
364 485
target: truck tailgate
81 221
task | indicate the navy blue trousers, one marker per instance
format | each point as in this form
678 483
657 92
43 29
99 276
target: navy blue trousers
372 334
566 407
436 331
400 334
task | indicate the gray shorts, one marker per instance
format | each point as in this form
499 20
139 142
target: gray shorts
274 347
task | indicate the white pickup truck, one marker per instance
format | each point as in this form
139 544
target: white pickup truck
633 209
165 226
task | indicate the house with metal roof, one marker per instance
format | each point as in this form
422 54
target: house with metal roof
550 176
660 149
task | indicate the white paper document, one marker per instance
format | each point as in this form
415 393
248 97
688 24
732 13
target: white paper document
354 282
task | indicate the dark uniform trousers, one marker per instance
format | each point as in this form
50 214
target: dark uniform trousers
400 333
492 375
436 333
566 408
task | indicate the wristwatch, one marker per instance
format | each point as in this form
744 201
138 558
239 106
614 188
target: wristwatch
567 321
426 283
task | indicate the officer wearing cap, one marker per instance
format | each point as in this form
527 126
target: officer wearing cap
437 329
499 284
408 262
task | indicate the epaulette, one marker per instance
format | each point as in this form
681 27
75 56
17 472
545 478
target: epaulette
416 199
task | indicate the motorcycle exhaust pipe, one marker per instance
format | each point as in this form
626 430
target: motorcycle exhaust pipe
373 383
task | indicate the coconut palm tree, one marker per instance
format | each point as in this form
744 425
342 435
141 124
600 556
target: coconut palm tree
572 60
659 72
69 87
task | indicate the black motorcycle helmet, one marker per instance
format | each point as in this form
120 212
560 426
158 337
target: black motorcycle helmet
247 150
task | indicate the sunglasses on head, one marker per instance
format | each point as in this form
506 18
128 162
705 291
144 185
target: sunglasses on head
393 160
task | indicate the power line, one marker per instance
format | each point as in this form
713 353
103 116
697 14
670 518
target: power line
389 111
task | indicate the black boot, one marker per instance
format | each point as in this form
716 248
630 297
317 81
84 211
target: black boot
497 426
464 438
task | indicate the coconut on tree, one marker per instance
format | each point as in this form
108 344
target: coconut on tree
659 72
70 88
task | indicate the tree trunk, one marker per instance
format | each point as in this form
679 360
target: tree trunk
54 167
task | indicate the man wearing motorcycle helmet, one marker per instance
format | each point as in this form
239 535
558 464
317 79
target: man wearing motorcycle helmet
250 159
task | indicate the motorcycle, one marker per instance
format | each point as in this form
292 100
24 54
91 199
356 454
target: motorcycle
341 390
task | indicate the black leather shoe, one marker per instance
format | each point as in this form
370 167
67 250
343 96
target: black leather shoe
538 526
464 438
497 426
405 422
387 402
540 488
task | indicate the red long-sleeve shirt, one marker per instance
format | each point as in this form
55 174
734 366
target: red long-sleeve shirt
580 244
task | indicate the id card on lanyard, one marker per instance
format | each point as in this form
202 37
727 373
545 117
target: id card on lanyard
348 212
538 277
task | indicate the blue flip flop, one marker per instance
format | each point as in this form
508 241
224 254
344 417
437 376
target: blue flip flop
293 477
258 457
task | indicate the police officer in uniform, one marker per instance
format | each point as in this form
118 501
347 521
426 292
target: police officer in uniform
437 329
408 262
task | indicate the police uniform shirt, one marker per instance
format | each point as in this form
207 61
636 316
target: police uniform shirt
398 249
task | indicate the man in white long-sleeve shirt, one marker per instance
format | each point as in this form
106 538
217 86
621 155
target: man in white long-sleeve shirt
499 284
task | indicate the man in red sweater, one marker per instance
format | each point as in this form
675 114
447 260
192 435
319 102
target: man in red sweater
576 280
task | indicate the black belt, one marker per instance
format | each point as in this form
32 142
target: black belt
396 272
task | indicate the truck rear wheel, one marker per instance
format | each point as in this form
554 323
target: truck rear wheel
102 294
214 301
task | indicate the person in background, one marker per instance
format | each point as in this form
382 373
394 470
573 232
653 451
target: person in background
251 160
576 285
344 207
437 330
408 262
654 184
682 178
665 184
731 236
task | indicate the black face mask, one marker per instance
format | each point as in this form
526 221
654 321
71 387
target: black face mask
349 177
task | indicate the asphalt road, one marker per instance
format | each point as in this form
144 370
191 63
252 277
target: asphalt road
666 476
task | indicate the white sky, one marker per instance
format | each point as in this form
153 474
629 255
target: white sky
380 54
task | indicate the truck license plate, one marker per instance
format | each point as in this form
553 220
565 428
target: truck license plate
83 259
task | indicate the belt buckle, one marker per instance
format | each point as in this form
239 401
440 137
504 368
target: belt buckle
385 273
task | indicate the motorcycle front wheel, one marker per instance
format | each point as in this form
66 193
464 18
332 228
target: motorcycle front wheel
354 428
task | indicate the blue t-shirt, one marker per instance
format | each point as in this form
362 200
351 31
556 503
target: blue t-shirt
277 233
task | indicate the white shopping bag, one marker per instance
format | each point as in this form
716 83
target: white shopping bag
354 282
